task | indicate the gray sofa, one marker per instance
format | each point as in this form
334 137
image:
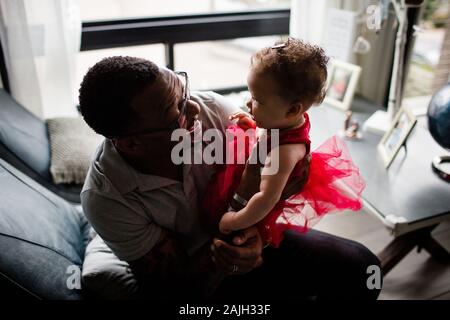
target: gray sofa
43 239
46 250
24 143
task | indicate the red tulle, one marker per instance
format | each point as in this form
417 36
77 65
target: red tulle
334 184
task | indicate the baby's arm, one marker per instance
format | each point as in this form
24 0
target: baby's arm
270 189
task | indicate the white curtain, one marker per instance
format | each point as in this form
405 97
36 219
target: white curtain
41 39
308 19
311 20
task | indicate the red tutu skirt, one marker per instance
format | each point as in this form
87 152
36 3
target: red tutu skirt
334 184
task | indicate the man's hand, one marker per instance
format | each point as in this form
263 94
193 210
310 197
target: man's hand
240 256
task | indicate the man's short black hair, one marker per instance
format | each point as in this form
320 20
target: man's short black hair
107 90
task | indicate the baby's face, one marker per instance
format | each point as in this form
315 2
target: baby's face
267 107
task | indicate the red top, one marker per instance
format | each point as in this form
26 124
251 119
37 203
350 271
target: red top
333 184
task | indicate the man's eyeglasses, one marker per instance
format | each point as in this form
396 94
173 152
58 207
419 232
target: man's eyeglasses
181 121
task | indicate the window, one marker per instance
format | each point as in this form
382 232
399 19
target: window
218 64
86 59
122 9
215 49
428 45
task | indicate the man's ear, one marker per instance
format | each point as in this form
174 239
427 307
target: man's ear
295 109
127 145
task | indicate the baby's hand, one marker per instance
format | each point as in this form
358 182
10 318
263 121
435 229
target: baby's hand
227 222
245 121
238 115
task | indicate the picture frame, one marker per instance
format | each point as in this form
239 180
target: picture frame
342 80
396 136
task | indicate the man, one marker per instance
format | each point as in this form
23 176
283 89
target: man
145 207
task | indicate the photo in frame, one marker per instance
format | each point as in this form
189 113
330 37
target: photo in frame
396 136
342 80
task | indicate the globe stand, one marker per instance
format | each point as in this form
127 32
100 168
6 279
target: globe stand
437 165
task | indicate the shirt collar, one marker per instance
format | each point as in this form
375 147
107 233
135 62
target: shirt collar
122 176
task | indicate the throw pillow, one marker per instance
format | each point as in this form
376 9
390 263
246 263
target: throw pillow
73 144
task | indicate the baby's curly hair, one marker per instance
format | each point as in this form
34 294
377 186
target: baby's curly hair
299 68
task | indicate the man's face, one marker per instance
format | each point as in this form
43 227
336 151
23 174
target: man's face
158 107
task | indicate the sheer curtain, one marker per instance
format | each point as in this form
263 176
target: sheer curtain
308 19
40 41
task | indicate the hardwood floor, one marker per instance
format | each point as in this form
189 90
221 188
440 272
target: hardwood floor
417 277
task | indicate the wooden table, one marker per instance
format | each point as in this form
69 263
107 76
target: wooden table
408 197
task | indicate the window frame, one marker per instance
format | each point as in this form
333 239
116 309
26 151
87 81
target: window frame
171 30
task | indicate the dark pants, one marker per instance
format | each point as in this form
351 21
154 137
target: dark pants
314 265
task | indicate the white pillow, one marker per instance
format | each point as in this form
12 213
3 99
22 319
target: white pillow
73 144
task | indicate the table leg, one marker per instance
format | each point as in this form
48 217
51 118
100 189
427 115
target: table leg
435 249
398 248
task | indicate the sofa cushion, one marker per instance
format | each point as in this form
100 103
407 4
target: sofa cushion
105 276
42 238
24 135
73 144
24 143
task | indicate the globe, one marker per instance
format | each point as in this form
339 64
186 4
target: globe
439 126
439 116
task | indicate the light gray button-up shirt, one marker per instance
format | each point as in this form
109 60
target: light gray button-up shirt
128 209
